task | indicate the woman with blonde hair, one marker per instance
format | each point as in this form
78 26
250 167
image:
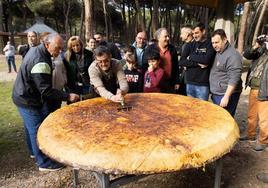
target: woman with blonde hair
77 61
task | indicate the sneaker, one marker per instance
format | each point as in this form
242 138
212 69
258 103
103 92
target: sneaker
53 167
32 156
260 147
246 138
262 177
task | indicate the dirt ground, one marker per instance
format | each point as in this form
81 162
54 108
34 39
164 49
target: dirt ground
240 167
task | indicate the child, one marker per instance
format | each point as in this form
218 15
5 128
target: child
154 75
133 75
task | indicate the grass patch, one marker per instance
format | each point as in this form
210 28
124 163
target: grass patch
4 66
11 128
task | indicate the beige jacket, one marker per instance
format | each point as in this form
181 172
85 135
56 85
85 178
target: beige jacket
95 74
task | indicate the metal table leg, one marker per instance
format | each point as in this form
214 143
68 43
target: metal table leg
217 183
103 179
75 177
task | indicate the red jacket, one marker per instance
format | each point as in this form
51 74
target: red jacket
152 80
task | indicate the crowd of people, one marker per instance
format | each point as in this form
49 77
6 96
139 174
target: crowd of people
207 67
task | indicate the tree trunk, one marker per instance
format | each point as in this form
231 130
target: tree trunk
155 22
10 24
144 17
149 29
66 8
206 15
129 20
24 15
166 19
170 23
57 24
105 19
88 18
125 23
1 15
243 25
252 20
82 22
177 25
1 23
260 20
110 27
140 23
161 18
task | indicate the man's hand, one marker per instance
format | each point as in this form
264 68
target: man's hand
118 92
224 101
257 45
177 86
73 97
117 98
202 66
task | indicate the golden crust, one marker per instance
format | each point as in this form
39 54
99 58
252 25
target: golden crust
161 133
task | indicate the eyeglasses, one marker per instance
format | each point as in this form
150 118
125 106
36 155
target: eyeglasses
140 38
104 61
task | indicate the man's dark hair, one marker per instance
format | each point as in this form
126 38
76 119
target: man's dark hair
152 54
102 50
201 26
219 32
129 48
99 33
91 38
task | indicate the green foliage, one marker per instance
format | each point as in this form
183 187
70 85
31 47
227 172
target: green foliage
53 8
40 7
54 12
10 123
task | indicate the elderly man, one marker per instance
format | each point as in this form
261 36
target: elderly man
225 76
168 59
186 37
140 45
33 87
111 46
106 74
32 41
198 58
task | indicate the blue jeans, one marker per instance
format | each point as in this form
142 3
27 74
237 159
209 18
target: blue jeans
28 141
11 61
232 104
32 119
200 92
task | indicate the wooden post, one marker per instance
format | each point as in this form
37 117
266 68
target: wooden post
225 18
